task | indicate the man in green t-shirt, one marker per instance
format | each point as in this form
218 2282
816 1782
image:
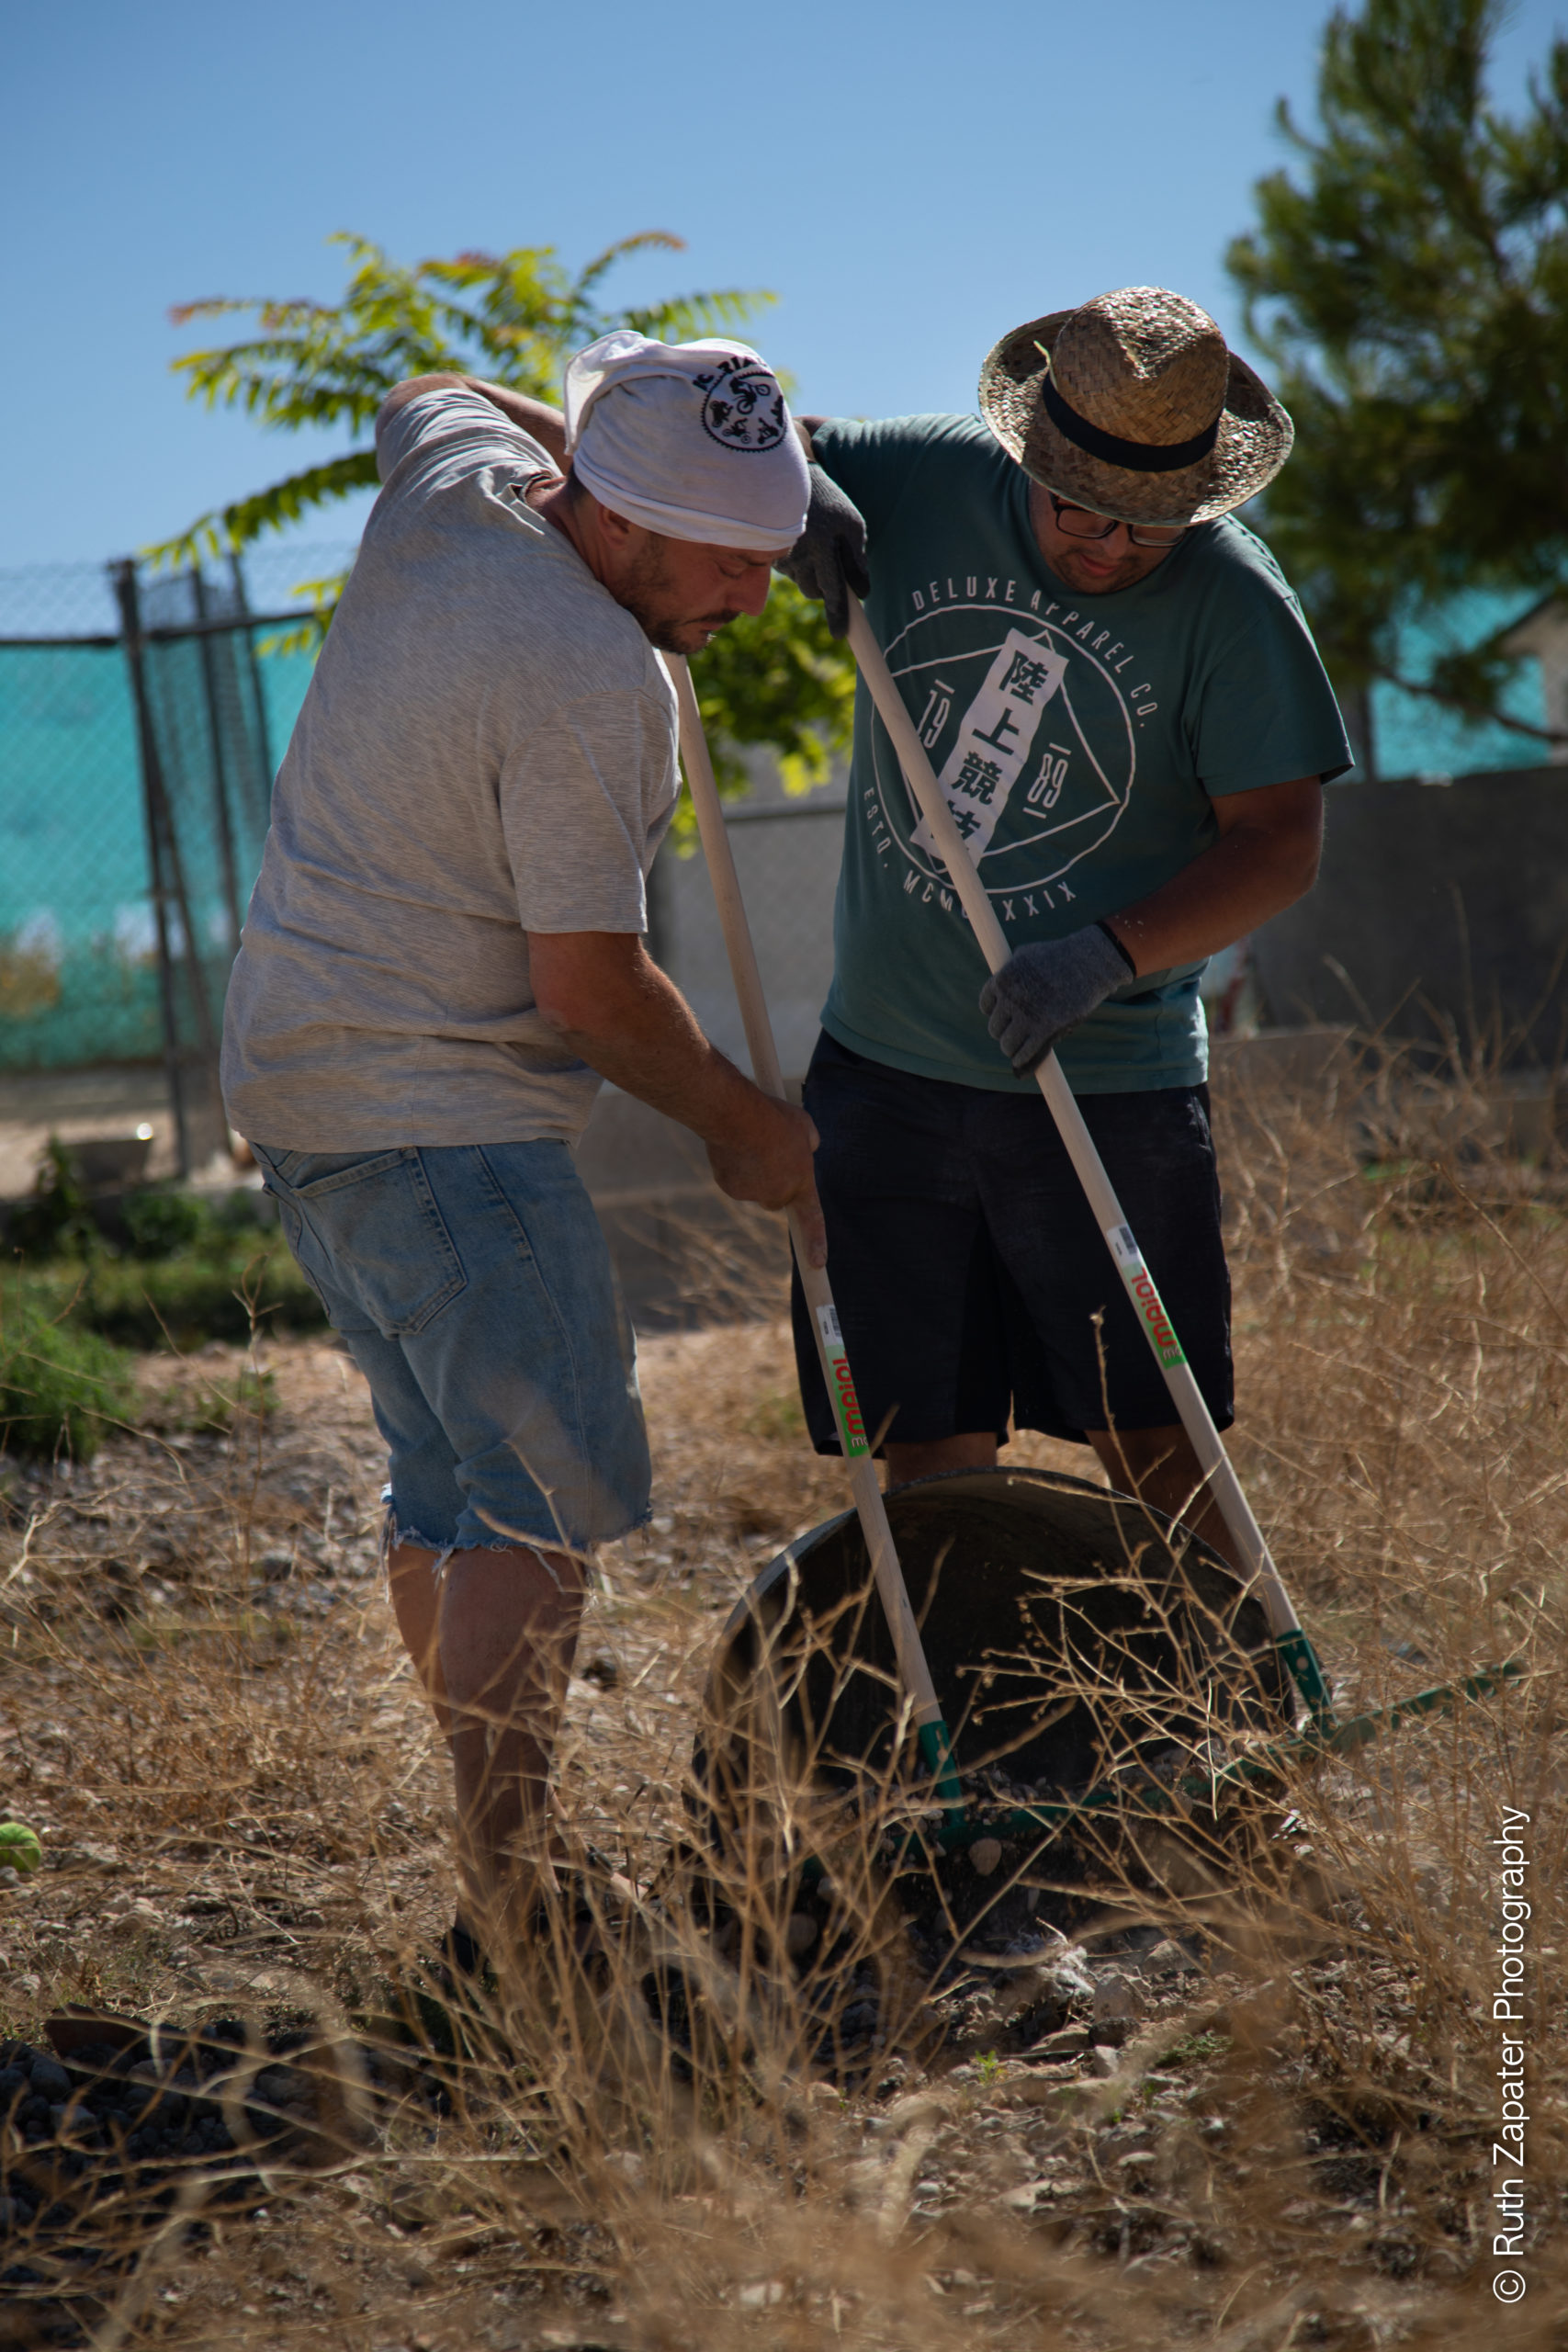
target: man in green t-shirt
1132 727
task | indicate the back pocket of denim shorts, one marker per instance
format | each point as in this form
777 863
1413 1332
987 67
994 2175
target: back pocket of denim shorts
373 1229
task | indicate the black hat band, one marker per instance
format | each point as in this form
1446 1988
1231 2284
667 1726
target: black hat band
1136 457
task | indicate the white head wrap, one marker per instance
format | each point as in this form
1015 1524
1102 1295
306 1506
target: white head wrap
690 439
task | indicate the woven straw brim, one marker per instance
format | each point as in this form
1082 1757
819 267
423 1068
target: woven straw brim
1254 442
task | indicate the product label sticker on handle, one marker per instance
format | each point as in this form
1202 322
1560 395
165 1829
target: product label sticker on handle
1145 1298
840 1387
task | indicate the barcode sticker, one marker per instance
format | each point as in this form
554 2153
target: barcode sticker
828 1323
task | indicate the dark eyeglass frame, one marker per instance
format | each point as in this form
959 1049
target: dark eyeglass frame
1140 534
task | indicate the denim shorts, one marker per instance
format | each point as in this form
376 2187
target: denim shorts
971 1281
473 1286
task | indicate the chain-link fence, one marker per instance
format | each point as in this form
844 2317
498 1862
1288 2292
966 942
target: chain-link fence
140 719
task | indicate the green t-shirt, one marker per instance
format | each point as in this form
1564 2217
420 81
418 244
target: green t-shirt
1080 740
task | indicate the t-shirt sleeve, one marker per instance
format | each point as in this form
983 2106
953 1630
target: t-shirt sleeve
584 802
1265 712
447 433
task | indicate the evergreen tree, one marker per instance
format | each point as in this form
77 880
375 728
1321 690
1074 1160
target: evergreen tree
1409 281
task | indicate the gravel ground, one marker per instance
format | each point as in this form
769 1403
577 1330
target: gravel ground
1208 2135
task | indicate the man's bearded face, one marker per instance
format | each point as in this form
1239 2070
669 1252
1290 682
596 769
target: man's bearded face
680 593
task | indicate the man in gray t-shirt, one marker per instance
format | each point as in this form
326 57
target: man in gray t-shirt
443 958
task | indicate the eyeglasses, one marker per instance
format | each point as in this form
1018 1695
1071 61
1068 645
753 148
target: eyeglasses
1083 523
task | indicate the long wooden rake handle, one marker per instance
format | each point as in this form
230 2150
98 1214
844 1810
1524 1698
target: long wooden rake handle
936 1748
1289 1638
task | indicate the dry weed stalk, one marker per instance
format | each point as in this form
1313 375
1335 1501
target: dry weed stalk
1288 2137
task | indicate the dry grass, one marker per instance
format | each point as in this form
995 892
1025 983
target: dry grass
1284 2138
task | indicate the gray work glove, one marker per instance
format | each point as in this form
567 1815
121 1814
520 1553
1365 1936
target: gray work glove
830 555
1048 987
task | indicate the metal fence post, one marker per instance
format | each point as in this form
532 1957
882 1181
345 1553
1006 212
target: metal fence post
154 806
258 691
219 775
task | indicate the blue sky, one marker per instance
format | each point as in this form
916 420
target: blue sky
910 180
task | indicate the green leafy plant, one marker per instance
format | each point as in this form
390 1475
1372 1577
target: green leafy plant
160 1223
1410 284
60 1386
513 317
55 1217
773 678
183 1300
1196 2049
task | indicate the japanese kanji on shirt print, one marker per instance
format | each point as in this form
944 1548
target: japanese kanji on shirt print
1033 739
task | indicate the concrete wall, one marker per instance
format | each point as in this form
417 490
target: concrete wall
1439 911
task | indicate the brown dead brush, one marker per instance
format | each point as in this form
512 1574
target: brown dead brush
1251 2099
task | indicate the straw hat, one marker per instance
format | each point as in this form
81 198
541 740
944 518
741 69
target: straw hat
1132 405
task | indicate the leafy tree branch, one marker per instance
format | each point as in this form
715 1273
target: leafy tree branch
514 319
1408 278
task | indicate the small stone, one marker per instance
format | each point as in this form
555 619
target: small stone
983 1856
1167 1960
1071 2041
801 1932
762 2296
9 1877
1103 2063
1066 1975
908 2114
50 2080
1116 2000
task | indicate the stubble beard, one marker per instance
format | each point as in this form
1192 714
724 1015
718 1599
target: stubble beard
646 594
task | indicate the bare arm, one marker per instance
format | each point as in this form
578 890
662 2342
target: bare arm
1264 859
606 997
546 424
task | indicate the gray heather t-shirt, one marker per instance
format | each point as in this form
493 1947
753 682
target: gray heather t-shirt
486 749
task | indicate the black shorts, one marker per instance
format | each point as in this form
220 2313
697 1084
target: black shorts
968 1271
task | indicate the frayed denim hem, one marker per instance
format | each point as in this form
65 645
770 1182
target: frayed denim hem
394 1536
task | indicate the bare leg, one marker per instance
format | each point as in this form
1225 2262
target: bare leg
493 1646
416 1597
508 1628
1161 1467
971 1450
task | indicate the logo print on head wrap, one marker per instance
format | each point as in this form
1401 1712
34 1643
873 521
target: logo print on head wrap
743 408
